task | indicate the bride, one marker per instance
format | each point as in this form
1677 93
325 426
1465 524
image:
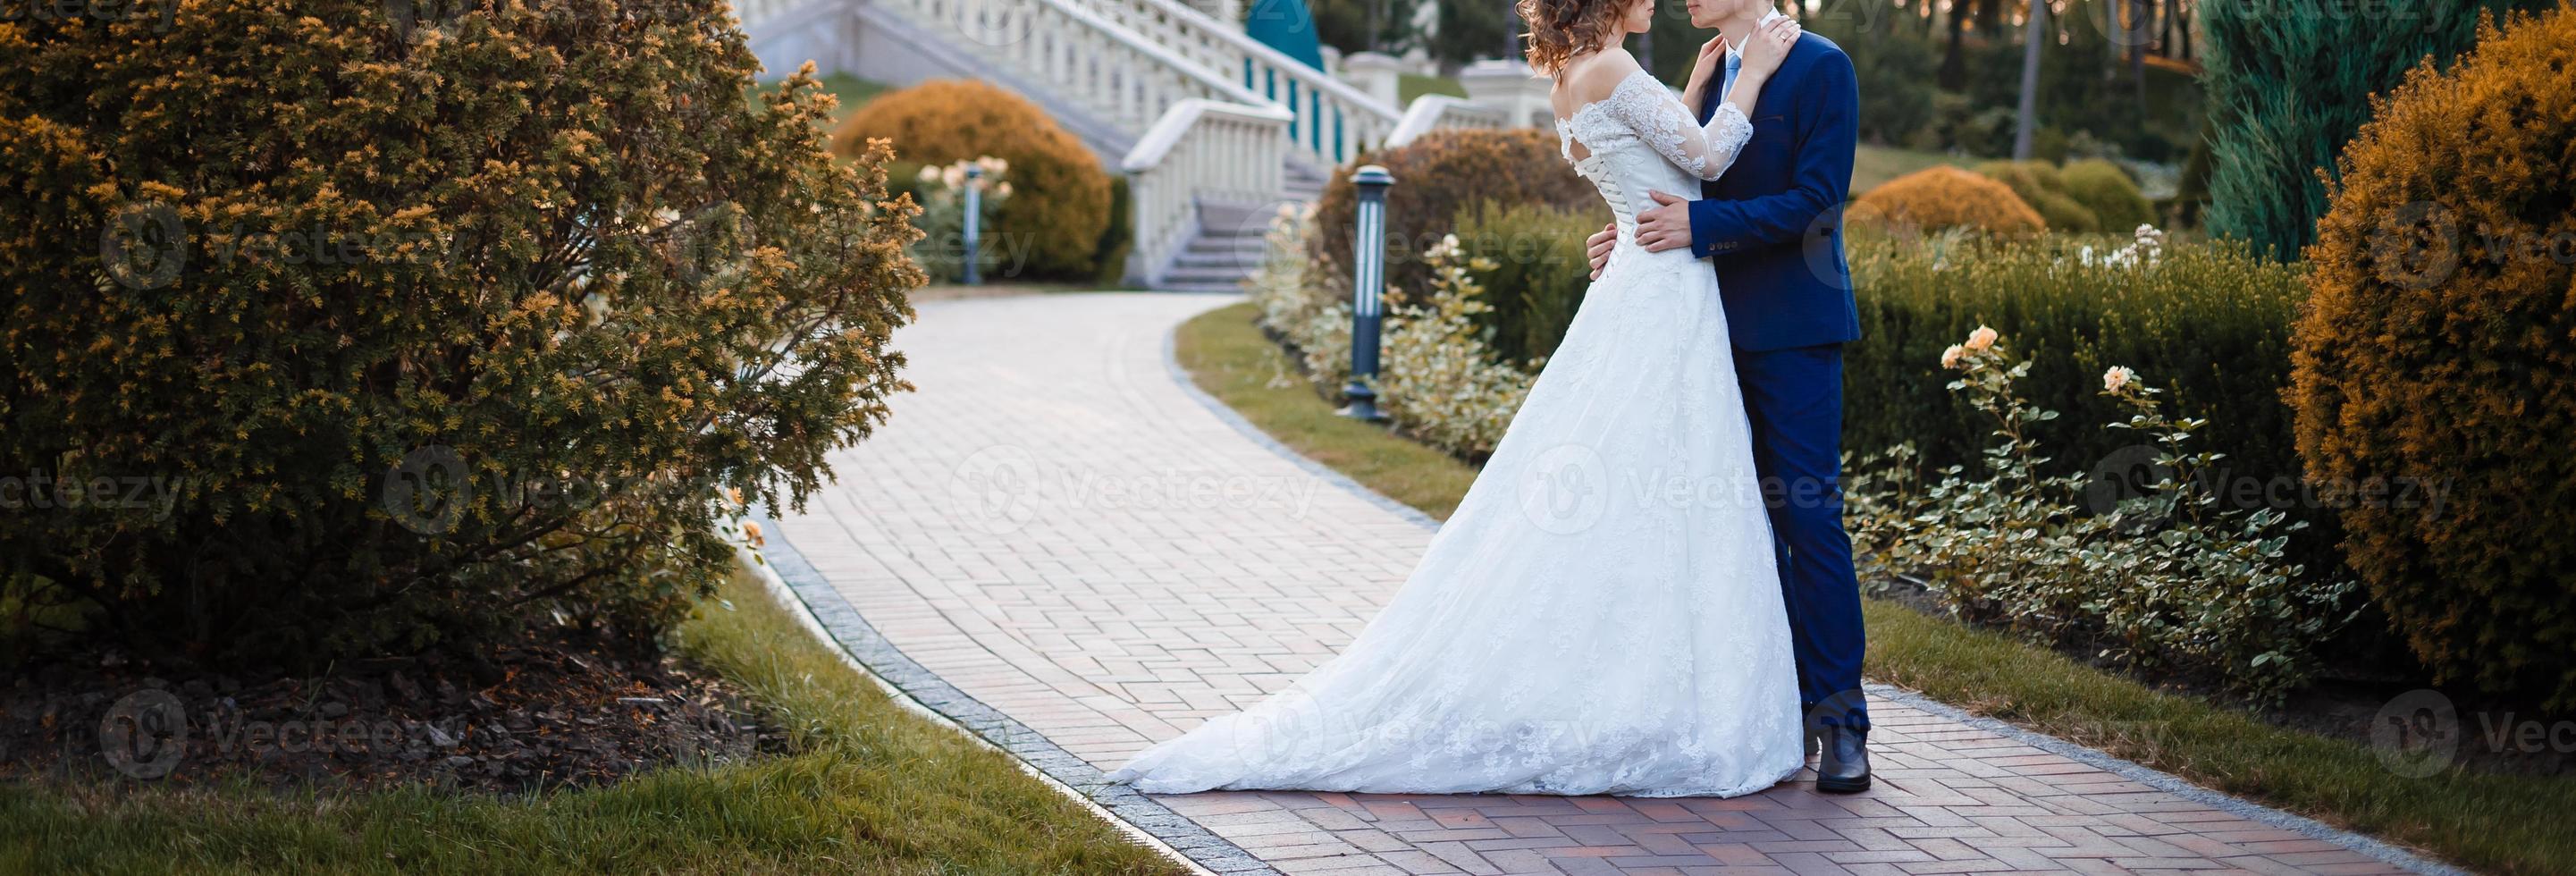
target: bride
1601 615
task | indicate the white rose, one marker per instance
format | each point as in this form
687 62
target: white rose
2117 379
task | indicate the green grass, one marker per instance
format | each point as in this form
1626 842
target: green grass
1231 359
1412 85
853 92
869 788
2487 821
1873 166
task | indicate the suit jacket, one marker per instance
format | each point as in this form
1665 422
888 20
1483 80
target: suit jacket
1774 223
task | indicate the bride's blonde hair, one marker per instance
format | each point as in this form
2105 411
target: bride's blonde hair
1561 29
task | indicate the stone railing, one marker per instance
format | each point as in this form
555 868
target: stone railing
1200 151
755 14
1123 78
1333 121
1433 111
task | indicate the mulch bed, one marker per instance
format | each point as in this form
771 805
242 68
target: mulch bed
545 713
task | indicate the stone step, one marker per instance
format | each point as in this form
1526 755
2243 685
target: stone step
1229 240
1181 275
1233 238
1242 264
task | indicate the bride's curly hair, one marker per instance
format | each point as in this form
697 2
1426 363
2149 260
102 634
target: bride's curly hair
1561 29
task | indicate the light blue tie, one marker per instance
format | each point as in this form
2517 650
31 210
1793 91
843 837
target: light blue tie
1726 84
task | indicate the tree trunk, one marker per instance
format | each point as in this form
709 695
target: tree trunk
1954 60
2028 124
2165 40
2189 18
2141 29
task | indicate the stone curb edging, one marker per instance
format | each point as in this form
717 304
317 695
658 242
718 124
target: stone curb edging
861 641
2166 782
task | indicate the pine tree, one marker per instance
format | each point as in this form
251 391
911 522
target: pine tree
2289 83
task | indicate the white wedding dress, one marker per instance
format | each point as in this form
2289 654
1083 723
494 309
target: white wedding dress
1602 614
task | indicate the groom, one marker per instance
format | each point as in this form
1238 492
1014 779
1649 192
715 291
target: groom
1773 227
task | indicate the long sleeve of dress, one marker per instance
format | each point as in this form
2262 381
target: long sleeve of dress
1660 119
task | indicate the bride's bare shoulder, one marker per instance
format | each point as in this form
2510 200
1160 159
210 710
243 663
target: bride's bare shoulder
1596 76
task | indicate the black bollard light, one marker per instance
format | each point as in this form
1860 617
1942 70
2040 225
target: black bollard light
974 221
1368 290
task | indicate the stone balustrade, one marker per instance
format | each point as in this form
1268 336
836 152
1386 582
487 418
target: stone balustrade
1201 151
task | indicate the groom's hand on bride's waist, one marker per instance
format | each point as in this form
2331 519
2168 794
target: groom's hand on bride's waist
1666 226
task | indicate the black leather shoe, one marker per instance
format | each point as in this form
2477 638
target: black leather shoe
1844 768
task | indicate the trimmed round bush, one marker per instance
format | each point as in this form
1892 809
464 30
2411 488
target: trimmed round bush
1059 208
1436 177
457 329
1936 198
2435 353
2039 184
2109 194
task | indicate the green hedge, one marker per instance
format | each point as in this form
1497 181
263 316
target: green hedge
2207 320
1540 275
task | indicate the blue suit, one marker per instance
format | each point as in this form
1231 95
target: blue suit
1773 227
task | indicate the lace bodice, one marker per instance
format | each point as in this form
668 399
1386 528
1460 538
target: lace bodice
1641 138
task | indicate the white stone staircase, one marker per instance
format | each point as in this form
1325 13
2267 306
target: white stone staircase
1213 129
1232 239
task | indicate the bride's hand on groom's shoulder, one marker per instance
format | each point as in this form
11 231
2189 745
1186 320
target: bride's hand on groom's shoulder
1767 47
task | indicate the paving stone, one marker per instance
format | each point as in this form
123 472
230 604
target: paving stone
1089 559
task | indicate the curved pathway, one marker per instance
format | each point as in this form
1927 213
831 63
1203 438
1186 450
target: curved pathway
1060 543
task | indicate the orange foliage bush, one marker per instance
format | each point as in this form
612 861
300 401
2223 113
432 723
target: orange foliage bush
1061 198
1946 197
2435 354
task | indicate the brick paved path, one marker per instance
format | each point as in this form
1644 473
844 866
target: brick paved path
1063 531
